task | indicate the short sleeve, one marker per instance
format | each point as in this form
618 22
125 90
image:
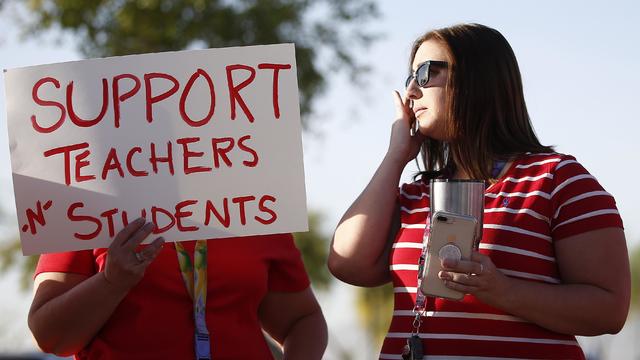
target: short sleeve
75 262
286 270
579 203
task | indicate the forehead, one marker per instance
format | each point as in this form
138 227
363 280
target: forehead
429 50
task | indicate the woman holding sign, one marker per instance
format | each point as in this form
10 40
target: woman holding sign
552 262
197 299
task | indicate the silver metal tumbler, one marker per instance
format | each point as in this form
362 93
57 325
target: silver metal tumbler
464 197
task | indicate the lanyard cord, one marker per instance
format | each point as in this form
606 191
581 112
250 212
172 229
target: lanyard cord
195 280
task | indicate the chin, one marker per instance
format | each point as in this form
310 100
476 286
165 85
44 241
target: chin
430 133
429 128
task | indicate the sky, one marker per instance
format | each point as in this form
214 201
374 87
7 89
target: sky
578 60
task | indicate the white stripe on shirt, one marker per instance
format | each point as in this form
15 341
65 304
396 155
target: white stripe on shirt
483 338
517 230
413 197
566 162
530 276
518 251
528 178
570 180
519 194
413 211
403 267
407 245
580 197
586 216
413 226
518 211
461 315
446 357
526 166
410 290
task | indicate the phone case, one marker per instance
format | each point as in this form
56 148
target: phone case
450 235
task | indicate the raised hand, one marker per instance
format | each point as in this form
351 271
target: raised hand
404 145
126 265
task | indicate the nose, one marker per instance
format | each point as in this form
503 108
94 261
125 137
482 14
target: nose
413 91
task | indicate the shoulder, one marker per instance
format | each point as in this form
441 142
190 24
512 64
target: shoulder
413 191
535 162
554 166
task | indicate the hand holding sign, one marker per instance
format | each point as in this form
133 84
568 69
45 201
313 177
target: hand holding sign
125 264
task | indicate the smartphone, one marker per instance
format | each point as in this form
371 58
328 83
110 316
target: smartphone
451 235
413 126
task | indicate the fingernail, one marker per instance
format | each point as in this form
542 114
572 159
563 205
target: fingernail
139 220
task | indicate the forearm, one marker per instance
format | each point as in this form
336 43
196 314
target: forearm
362 233
576 309
307 338
66 323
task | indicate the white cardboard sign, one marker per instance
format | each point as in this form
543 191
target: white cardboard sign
204 143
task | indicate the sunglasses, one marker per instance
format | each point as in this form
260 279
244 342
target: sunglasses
422 72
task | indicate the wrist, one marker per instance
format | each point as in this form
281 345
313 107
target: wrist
114 285
395 161
507 299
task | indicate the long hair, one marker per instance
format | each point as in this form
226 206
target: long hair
486 117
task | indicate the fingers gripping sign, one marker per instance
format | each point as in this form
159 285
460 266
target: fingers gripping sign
125 265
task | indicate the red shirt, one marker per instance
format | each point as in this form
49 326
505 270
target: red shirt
155 319
542 198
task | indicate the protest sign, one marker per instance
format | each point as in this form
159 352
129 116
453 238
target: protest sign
204 143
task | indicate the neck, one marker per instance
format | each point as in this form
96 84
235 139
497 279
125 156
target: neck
461 174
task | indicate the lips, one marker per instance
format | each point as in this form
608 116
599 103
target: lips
419 110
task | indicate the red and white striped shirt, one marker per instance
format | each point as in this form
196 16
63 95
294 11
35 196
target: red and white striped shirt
542 198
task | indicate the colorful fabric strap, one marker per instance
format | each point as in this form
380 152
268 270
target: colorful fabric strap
198 293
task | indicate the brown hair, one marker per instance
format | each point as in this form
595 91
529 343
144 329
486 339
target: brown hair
486 115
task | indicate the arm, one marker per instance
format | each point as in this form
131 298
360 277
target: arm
593 298
69 309
295 320
360 242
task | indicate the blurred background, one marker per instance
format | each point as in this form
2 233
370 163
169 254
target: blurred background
578 59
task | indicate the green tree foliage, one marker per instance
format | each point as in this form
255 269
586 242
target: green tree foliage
314 246
375 306
326 32
11 256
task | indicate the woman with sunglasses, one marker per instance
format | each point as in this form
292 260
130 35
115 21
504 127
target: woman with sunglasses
552 262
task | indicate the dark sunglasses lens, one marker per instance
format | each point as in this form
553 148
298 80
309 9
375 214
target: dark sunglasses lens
406 83
422 75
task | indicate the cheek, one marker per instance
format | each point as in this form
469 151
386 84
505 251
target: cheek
439 100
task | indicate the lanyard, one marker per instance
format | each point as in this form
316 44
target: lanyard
198 293
419 308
